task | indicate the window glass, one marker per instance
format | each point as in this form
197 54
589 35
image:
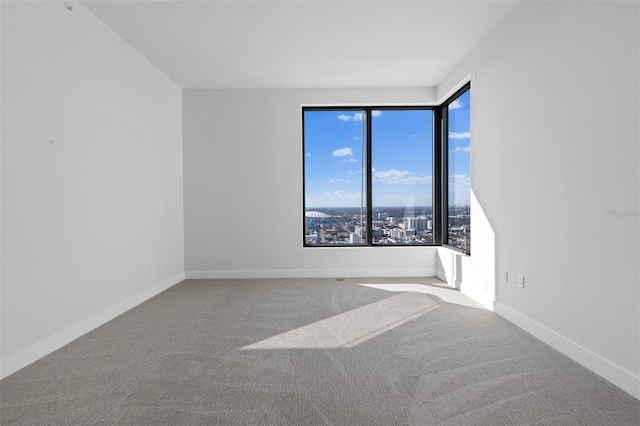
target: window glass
335 191
402 176
458 232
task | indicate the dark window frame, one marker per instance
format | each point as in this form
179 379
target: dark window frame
444 205
369 176
440 161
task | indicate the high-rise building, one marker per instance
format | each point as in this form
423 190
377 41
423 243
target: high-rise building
417 223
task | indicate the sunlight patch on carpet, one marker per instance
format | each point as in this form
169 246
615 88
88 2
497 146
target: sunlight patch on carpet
351 328
446 294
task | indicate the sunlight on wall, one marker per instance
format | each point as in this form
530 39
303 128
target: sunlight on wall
480 272
473 275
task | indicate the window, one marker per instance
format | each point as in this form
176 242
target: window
368 176
388 176
456 113
402 176
335 146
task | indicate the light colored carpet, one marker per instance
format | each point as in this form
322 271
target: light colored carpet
367 351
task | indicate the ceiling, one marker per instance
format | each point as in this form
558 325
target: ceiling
214 44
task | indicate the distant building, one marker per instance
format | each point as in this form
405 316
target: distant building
313 238
313 218
397 233
417 223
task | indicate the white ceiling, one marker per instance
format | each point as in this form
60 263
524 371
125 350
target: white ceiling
302 44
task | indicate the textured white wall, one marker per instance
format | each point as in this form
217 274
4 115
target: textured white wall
555 145
94 217
243 187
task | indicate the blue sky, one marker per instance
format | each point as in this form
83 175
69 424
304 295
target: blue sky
460 150
401 150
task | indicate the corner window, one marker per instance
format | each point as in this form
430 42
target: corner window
457 194
388 176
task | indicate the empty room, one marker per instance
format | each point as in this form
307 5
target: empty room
319 212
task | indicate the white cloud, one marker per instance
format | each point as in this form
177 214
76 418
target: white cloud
462 135
333 199
339 181
356 138
456 104
357 116
341 196
342 152
350 160
461 188
463 149
308 154
394 176
461 182
390 174
413 179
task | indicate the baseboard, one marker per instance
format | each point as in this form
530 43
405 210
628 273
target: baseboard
311 273
482 298
620 377
26 356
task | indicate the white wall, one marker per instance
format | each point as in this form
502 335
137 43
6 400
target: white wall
555 144
243 188
92 218
473 275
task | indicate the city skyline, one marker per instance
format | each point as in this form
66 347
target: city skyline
389 226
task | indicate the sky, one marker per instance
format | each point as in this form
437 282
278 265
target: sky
401 156
460 150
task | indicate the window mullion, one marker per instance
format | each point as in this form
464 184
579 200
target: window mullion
369 180
438 179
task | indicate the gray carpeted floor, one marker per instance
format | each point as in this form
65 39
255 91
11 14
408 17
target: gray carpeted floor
311 352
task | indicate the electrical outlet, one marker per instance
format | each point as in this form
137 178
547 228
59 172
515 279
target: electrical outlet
505 276
521 281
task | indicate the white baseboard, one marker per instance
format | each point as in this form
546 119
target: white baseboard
620 377
482 298
311 273
30 354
